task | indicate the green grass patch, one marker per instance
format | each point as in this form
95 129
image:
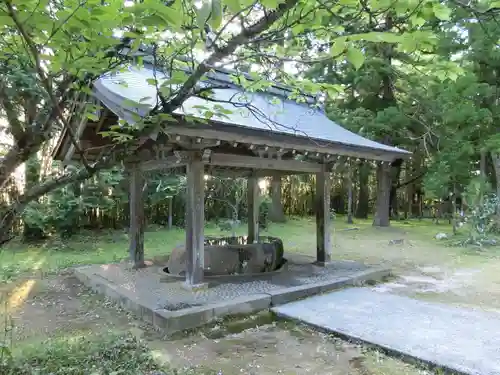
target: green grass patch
298 234
110 355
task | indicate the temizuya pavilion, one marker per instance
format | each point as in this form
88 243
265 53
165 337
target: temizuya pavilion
261 136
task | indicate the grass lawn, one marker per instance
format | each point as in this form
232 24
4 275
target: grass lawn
52 312
458 275
367 244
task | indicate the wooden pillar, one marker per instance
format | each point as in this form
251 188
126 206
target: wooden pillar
381 218
276 213
349 194
136 230
253 191
322 208
195 221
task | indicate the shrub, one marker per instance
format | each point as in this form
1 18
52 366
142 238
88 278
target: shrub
264 209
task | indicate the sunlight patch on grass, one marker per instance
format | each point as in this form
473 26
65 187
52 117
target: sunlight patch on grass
19 295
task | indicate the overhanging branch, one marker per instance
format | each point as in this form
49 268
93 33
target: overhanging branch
243 37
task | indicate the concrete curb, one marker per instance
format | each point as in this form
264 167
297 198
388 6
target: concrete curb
193 317
282 296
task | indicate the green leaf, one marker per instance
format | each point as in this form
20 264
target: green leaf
355 57
208 114
234 6
129 103
209 11
441 11
92 116
338 46
154 20
216 15
167 117
271 4
408 43
494 4
377 37
202 14
417 20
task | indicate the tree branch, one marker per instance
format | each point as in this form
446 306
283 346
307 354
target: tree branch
46 82
242 38
411 180
16 126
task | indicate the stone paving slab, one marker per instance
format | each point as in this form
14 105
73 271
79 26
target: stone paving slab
171 295
172 308
462 340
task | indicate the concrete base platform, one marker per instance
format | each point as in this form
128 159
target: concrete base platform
170 307
459 340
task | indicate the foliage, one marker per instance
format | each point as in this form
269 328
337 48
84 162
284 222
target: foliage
63 46
482 218
419 75
62 210
230 192
161 187
80 356
102 203
264 209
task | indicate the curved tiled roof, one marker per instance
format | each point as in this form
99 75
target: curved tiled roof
128 91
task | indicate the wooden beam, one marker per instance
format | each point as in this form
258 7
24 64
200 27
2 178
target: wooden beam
322 208
253 162
235 161
220 132
195 221
253 191
172 161
136 231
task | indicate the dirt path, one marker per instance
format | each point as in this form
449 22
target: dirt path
61 306
279 349
43 308
470 287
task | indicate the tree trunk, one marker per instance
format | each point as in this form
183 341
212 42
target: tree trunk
349 195
32 178
363 206
482 165
420 198
276 213
170 219
7 222
16 156
453 198
409 201
381 218
495 157
396 174
136 231
9 215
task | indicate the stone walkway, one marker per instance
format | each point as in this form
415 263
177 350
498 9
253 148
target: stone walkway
462 340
